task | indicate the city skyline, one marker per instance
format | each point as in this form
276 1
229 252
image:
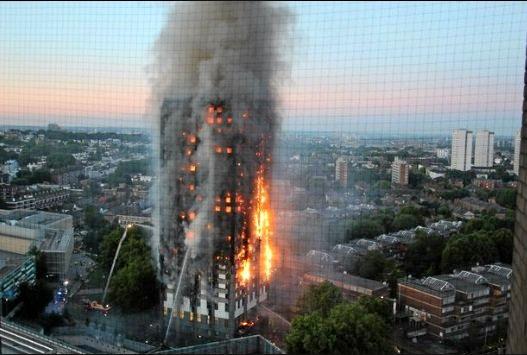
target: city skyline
94 62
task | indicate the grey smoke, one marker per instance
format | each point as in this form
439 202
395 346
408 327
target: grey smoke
210 52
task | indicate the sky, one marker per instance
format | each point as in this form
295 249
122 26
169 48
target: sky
359 66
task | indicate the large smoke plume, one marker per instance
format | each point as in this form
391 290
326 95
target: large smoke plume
226 53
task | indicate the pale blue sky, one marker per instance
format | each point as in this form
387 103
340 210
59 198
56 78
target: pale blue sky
356 66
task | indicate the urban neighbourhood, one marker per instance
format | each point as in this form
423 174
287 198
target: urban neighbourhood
422 226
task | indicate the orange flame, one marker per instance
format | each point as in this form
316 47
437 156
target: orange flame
262 224
246 271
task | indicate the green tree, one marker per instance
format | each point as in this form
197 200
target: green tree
381 307
126 169
97 226
134 285
444 211
40 176
26 177
109 246
462 251
348 329
423 257
364 228
319 298
59 160
405 221
5 155
504 242
453 194
506 198
412 210
310 334
383 185
93 219
417 178
372 265
466 176
488 223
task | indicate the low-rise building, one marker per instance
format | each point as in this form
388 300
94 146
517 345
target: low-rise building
40 199
316 259
8 191
51 233
461 304
363 246
446 228
351 286
14 270
475 205
71 177
487 184
126 219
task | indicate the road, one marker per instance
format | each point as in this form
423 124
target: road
80 267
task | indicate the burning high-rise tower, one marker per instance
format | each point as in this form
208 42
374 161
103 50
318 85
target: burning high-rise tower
214 86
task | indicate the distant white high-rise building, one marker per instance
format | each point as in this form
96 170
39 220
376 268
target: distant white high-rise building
461 150
341 171
400 172
517 145
484 152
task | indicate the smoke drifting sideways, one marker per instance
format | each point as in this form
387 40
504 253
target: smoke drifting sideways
228 53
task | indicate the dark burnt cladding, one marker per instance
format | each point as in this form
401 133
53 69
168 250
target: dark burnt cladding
214 168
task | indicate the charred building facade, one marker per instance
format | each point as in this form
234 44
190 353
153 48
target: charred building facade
214 170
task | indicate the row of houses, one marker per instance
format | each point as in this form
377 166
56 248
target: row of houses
347 256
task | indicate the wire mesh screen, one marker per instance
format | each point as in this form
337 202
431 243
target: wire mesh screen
296 170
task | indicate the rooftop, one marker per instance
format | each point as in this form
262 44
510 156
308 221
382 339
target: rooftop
439 288
464 281
463 285
56 240
29 218
336 277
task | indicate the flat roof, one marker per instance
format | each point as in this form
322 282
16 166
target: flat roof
349 279
56 240
26 217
